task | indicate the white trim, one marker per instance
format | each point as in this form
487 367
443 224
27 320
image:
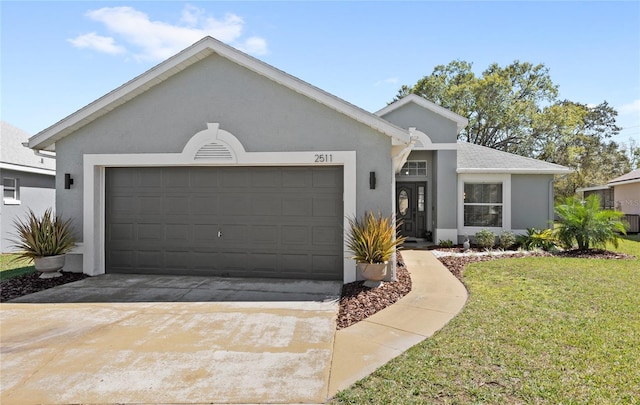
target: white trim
505 179
460 121
94 185
205 47
27 169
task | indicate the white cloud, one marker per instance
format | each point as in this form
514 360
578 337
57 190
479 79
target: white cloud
630 108
97 42
254 45
389 80
157 40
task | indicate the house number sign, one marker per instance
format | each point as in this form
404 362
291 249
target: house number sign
323 158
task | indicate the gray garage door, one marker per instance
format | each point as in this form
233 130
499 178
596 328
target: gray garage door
280 222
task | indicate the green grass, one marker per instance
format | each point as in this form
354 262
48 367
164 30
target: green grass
536 330
10 268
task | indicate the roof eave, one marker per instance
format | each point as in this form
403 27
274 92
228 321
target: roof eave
461 122
481 170
620 183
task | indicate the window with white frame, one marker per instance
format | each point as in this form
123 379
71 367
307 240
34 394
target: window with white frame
414 168
483 204
11 190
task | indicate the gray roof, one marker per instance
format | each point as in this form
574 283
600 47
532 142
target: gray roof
15 156
480 159
631 177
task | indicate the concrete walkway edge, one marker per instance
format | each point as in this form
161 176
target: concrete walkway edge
435 298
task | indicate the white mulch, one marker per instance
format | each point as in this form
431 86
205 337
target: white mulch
461 253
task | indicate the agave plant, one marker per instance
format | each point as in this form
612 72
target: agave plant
47 235
372 238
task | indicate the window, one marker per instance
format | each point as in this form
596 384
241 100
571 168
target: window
11 190
414 168
483 204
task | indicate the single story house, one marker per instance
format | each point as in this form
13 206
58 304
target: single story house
622 194
27 181
214 162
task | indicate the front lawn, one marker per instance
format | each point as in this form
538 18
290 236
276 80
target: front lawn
535 330
10 268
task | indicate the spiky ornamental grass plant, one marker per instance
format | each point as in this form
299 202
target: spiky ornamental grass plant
584 223
372 238
48 235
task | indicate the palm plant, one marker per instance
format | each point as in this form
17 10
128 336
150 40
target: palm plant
586 224
48 235
372 238
543 239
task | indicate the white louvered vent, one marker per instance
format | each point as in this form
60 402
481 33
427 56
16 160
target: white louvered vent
214 150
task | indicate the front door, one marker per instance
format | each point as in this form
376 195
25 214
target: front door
411 202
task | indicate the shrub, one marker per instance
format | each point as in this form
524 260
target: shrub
447 243
372 239
47 235
506 239
537 239
584 223
485 239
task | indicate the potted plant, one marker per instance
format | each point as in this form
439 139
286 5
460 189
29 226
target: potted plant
45 240
373 240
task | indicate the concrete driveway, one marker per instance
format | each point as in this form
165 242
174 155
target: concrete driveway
165 339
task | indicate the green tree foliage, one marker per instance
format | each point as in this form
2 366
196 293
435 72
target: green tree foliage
584 223
516 109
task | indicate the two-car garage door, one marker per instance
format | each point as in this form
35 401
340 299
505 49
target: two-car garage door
280 222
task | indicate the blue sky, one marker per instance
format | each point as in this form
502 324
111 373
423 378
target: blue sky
56 57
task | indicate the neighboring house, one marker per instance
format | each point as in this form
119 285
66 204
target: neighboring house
27 180
216 163
622 194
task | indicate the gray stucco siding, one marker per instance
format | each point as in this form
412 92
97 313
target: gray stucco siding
263 115
438 128
445 163
530 196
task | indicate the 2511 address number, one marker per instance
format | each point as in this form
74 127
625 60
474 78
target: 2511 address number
323 158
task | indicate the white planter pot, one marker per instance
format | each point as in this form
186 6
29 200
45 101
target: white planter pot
49 266
374 273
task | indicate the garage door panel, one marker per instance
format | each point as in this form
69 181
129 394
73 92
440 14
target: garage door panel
295 235
266 205
296 177
324 235
326 265
274 222
296 206
232 179
203 204
235 204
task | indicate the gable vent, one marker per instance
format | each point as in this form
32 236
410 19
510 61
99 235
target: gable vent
214 150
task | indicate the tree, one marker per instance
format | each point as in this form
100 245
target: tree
515 109
584 223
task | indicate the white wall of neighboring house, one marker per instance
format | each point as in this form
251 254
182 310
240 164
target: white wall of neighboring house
29 179
627 198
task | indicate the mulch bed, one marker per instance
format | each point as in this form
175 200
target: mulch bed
359 302
29 283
